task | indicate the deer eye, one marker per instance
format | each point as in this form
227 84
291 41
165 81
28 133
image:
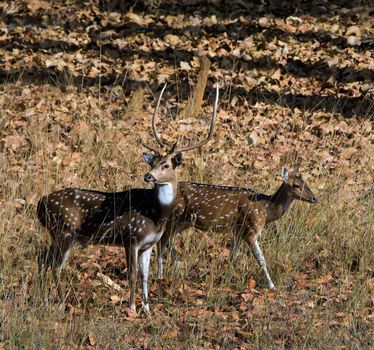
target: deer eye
166 166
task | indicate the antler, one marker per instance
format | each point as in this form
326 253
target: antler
155 133
211 128
175 150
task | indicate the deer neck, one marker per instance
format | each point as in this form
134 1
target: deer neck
166 194
278 203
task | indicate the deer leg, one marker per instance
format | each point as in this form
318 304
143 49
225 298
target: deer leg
132 264
42 260
160 260
257 252
162 245
56 255
59 253
144 260
176 260
235 244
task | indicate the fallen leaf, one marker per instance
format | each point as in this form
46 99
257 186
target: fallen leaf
14 141
91 339
251 283
130 313
115 299
185 65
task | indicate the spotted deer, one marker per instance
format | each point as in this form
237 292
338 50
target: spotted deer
221 208
135 218
226 209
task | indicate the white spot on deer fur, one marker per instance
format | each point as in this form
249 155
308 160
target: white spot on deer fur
165 194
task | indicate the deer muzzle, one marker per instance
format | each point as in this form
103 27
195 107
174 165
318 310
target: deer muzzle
314 199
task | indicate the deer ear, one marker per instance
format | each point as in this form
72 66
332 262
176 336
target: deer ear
177 159
285 174
149 158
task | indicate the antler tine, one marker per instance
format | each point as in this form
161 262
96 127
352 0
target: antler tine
151 148
174 145
211 128
154 118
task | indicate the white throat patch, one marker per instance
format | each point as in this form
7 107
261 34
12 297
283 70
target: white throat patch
165 194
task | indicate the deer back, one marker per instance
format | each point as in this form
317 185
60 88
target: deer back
209 206
98 216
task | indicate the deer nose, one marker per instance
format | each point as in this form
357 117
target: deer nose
314 199
149 178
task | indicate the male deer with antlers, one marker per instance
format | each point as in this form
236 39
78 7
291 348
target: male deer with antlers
134 219
221 208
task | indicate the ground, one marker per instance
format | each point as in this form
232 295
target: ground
78 84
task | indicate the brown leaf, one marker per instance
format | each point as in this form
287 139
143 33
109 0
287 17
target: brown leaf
226 252
277 74
131 314
14 141
185 65
251 283
35 5
133 17
324 279
91 339
172 40
115 299
258 302
246 295
55 62
353 30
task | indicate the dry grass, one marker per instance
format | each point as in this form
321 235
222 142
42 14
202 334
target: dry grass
320 256
77 86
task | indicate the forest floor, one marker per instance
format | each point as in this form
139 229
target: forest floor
78 83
